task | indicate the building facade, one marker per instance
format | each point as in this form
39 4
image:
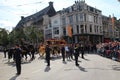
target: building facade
53 30
38 20
111 29
86 23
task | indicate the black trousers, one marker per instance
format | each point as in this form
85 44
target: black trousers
82 54
18 67
48 62
76 59
33 57
63 56
4 54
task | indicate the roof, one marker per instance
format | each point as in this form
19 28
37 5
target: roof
50 11
80 7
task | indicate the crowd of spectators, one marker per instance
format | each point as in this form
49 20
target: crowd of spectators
109 50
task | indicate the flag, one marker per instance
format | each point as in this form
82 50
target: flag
113 22
69 28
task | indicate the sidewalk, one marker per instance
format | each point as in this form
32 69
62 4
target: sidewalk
93 67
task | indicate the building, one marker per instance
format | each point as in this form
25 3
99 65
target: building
86 23
111 29
53 30
107 28
37 20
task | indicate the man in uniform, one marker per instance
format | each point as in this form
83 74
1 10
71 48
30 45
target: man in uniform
18 59
82 50
76 54
32 50
63 52
47 51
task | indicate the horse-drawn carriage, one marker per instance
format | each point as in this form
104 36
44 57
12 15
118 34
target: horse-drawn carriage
55 46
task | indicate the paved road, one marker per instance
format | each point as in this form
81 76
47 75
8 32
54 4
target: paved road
93 67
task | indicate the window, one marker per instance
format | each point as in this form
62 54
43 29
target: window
76 17
90 18
49 31
77 29
64 31
48 34
50 25
79 8
94 19
101 31
82 28
56 30
55 22
95 27
85 17
90 28
81 17
63 21
91 9
71 19
86 28
70 9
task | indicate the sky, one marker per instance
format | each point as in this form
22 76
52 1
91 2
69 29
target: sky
12 10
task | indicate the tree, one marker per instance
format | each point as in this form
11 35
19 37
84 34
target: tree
16 35
4 37
29 34
33 34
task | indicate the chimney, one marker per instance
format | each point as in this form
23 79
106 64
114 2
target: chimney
22 17
109 16
50 3
75 2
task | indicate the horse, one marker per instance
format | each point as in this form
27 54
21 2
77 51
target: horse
25 51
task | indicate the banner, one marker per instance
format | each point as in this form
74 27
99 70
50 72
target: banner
69 28
113 22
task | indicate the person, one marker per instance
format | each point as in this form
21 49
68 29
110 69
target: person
42 50
71 51
88 47
5 50
67 51
76 54
18 58
82 50
47 51
10 54
32 50
63 52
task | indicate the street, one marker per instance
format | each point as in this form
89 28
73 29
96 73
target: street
93 67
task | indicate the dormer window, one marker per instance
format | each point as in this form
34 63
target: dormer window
55 22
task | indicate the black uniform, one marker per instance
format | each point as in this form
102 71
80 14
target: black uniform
63 53
32 50
5 50
18 60
47 50
82 51
76 54
10 53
